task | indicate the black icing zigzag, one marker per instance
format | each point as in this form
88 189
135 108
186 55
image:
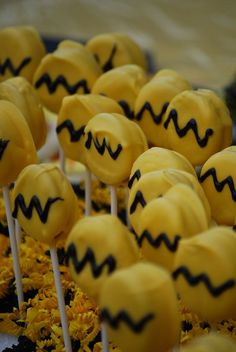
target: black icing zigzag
161 238
191 125
75 135
102 147
108 65
126 108
61 80
138 199
136 176
89 258
219 185
34 203
3 145
15 71
157 119
123 316
204 278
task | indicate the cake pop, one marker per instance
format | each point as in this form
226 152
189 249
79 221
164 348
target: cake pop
70 69
205 273
218 179
21 52
122 84
212 342
22 94
178 214
152 102
198 124
140 309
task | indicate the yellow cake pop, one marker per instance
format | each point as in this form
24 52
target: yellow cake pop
211 342
21 52
75 112
17 148
140 310
205 273
122 84
112 144
96 247
152 102
218 179
198 125
70 69
116 49
44 203
22 94
155 184
178 214
155 159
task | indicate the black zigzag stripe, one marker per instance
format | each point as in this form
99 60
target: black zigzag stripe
3 145
138 199
102 147
75 135
191 125
34 203
204 278
126 108
136 176
89 258
108 65
157 118
123 316
156 242
219 185
61 80
15 71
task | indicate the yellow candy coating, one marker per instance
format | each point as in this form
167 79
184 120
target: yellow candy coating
198 125
17 148
205 273
211 342
21 52
155 184
218 177
75 112
152 102
96 247
178 214
123 85
157 158
70 69
44 203
22 94
139 307
112 144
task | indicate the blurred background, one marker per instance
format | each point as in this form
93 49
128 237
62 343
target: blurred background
196 38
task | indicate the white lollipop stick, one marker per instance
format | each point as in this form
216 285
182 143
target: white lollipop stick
113 200
61 301
87 192
105 343
15 256
62 159
17 233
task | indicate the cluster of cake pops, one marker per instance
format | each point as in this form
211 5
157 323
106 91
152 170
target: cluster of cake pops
168 145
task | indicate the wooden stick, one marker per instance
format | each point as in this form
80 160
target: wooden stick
87 192
105 343
113 200
61 300
15 255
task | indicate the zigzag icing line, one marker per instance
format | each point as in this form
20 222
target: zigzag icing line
75 135
102 147
191 125
126 108
3 145
108 65
161 238
61 80
34 204
138 199
204 278
89 258
123 316
136 176
157 118
219 185
15 71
